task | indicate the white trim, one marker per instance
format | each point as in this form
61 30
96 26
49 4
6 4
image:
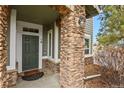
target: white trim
12 40
88 55
56 38
44 57
50 31
20 25
59 60
91 76
52 59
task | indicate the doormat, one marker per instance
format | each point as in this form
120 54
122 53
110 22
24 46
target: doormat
33 76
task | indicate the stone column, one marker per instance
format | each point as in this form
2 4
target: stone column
72 49
4 12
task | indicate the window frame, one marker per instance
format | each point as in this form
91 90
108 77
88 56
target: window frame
87 48
87 36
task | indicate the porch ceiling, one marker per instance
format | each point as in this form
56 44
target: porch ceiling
39 14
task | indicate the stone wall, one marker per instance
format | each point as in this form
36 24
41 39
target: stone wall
12 77
4 12
88 60
72 49
50 67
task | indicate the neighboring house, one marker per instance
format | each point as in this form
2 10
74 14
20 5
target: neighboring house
36 33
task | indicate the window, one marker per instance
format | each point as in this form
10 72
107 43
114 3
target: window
87 46
32 30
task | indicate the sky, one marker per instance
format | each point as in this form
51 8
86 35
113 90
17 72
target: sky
96 26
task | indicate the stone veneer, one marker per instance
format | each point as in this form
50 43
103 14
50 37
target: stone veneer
50 67
88 60
4 13
72 49
12 77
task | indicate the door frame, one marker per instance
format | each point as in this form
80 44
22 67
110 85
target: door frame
20 32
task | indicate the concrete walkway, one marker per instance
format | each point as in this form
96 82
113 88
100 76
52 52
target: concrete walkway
47 81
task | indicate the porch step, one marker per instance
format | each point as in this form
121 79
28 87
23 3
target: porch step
31 72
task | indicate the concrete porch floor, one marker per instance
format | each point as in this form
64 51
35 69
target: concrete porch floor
47 81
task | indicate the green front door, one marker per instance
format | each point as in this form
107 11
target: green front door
30 51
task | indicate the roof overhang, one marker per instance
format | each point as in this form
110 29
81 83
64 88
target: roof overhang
91 10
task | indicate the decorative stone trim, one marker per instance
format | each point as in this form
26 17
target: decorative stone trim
50 67
88 60
4 14
12 77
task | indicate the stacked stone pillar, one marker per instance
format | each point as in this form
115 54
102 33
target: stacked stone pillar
4 13
72 49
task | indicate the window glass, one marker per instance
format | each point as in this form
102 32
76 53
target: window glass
32 30
87 46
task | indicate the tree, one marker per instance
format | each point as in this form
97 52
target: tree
111 25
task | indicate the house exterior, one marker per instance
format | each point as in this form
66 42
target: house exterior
31 34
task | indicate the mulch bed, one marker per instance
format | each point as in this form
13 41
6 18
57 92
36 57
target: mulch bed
107 79
92 69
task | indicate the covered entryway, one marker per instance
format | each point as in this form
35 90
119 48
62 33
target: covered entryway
31 36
